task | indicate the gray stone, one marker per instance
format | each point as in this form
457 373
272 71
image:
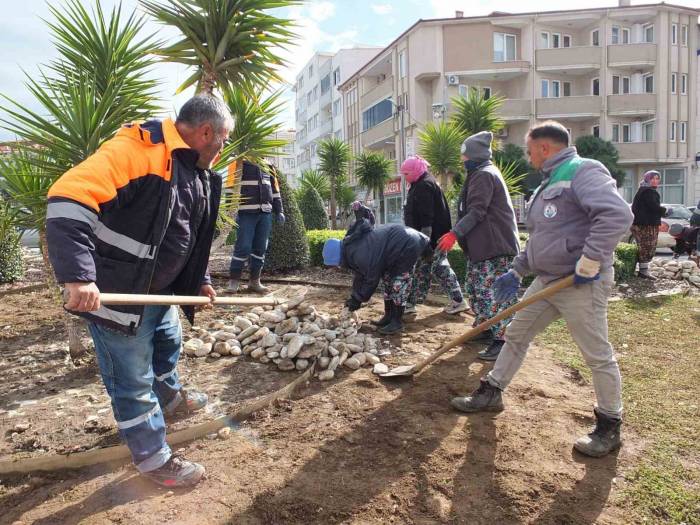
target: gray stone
323 362
326 375
333 364
380 368
257 353
203 350
371 358
273 316
269 340
302 364
352 363
294 346
286 364
222 348
247 332
242 323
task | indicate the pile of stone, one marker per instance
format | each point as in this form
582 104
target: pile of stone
675 269
291 336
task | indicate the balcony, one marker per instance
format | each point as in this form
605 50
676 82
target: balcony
379 135
572 108
326 128
378 92
638 104
325 99
633 152
632 56
515 109
495 71
580 60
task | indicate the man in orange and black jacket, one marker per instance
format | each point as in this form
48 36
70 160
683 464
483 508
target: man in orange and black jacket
138 216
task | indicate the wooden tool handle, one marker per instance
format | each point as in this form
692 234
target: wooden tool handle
147 299
542 294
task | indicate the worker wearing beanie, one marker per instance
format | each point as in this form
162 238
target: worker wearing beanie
428 212
487 233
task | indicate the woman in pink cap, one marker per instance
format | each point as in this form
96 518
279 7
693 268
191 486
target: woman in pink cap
427 211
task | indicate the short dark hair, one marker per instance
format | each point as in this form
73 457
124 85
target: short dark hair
550 129
203 109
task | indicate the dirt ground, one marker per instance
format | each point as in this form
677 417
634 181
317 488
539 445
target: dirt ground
353 450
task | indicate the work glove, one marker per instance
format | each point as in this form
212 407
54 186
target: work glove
353 304
587 271
280 218
446 242
506 286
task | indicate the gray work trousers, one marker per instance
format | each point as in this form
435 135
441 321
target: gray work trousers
585 310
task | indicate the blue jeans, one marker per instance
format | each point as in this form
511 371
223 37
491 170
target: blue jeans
141 377
253 233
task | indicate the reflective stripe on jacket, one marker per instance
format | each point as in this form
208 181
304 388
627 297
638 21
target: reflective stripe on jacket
107 217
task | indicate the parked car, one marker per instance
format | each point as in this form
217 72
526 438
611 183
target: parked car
675 213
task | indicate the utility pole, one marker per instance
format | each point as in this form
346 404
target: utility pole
401 109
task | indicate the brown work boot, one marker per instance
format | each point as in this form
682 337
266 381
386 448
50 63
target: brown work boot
486 398
254 285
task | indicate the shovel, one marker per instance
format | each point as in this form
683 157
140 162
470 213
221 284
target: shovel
148 299
409 370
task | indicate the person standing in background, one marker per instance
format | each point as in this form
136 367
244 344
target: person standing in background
647 211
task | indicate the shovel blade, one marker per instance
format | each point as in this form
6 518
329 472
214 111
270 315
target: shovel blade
400 371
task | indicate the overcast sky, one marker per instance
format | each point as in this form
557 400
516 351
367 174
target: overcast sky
323 26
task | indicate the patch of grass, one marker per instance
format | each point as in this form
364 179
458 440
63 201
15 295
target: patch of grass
658 348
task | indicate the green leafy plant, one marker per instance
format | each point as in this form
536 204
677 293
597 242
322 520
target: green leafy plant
334 155
625 261
512 178
440 145
474 113
316 239
288 248
11 265
603 151
314 179
373 170
312 210
228 43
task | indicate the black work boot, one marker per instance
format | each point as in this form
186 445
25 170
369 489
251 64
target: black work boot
486 398
604 439
387 315
492 351
395 324
177 472
254 284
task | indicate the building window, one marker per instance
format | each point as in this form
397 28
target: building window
376 114
615 36
625 85
595 37
672 132
308 98
486 93
684 35
629 186
626 133
684 84
504 47
672 186
649 33
625 35
544 40
336 76
566 41
544 88
556 89
315 92
402 64
674 34
673 83
463 90
615 85
311 71
595 87
595 131
620 85
567 89
556 40
336 108
684 125
648 131
615 133
325 84
648 83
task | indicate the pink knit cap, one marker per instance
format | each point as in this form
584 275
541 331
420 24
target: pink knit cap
413 167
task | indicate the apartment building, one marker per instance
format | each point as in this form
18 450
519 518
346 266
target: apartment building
318 104
285 158
622 73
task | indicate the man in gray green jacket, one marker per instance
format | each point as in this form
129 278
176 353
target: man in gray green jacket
575 219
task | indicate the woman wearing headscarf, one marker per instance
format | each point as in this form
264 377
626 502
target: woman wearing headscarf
428 212
647 211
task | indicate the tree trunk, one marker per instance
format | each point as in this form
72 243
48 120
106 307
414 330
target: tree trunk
334 225
72 324
207 84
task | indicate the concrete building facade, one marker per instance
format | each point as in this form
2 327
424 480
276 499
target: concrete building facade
285 159
318 104
622 73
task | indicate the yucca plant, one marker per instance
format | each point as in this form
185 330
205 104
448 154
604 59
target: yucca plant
440 145
513 177
335 160
373 170
229 43
314 179
101 79
474 113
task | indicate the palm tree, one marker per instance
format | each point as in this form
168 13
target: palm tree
99 81
335 159
373 171
474 113
440 145
344 197
314 179
513 177
229 43
252 139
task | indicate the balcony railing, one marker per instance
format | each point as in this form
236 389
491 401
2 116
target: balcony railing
378 92
570 107
632 104
631 55
382 131
636 151
569 58
515 109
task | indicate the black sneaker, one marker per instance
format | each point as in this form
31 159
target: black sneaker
177 472
486 398
492 351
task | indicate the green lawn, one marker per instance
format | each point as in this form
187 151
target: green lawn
658 346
